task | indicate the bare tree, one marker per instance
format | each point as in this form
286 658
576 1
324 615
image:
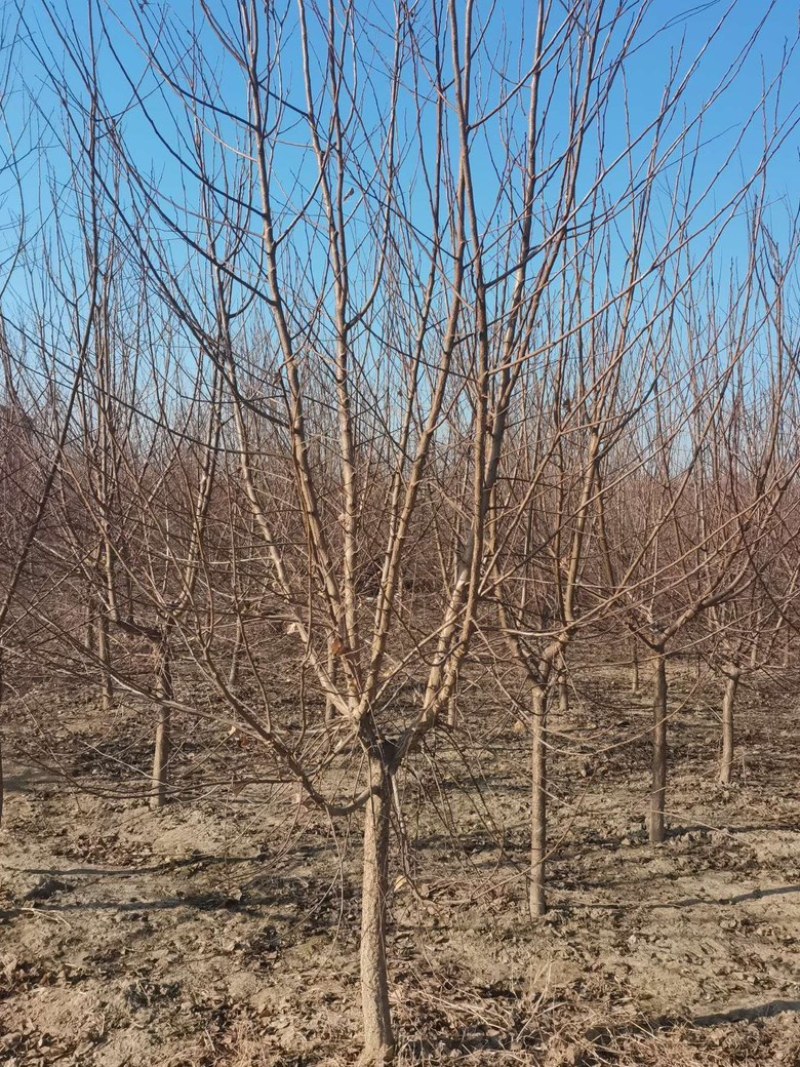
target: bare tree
704 504
366 260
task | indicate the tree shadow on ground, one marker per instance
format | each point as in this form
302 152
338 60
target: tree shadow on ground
747 1013
606 1037
197 901
737 898
133 872
687 902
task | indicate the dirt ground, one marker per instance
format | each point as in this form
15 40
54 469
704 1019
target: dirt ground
223 930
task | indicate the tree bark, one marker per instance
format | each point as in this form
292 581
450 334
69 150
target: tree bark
563 689
238 641
536 893
379 1044
330 707
2 772
659 785
452 711
90 635
729 701
97 643
104 655
635 668
158 796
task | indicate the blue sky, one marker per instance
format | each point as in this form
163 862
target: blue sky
668 27
672 33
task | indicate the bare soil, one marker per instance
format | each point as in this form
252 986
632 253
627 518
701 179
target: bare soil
223 929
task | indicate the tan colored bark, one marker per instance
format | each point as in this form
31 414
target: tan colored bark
634 668
379 1043
536 894
452 711
658 790
104 656
563 692
158 796
733 675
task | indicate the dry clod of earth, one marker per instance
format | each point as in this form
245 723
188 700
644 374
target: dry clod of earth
130 937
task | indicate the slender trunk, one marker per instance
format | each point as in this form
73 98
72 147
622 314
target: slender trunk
659 786
563 691
452 711
2 774
127 582
634 667
379 1045
97 644
162 752
104 655
238 641
728 704
330 707
536 894
91 643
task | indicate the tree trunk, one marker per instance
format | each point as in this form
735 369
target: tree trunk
635 668
659 787
104 655
90 633
97 643
2 772
729 701
563 687
158 794
238 641
536 893
452 711
379 1045
330 707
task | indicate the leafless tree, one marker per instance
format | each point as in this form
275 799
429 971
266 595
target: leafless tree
361 289
705 502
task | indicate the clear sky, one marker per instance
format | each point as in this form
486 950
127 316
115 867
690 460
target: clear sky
669 28
157 131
